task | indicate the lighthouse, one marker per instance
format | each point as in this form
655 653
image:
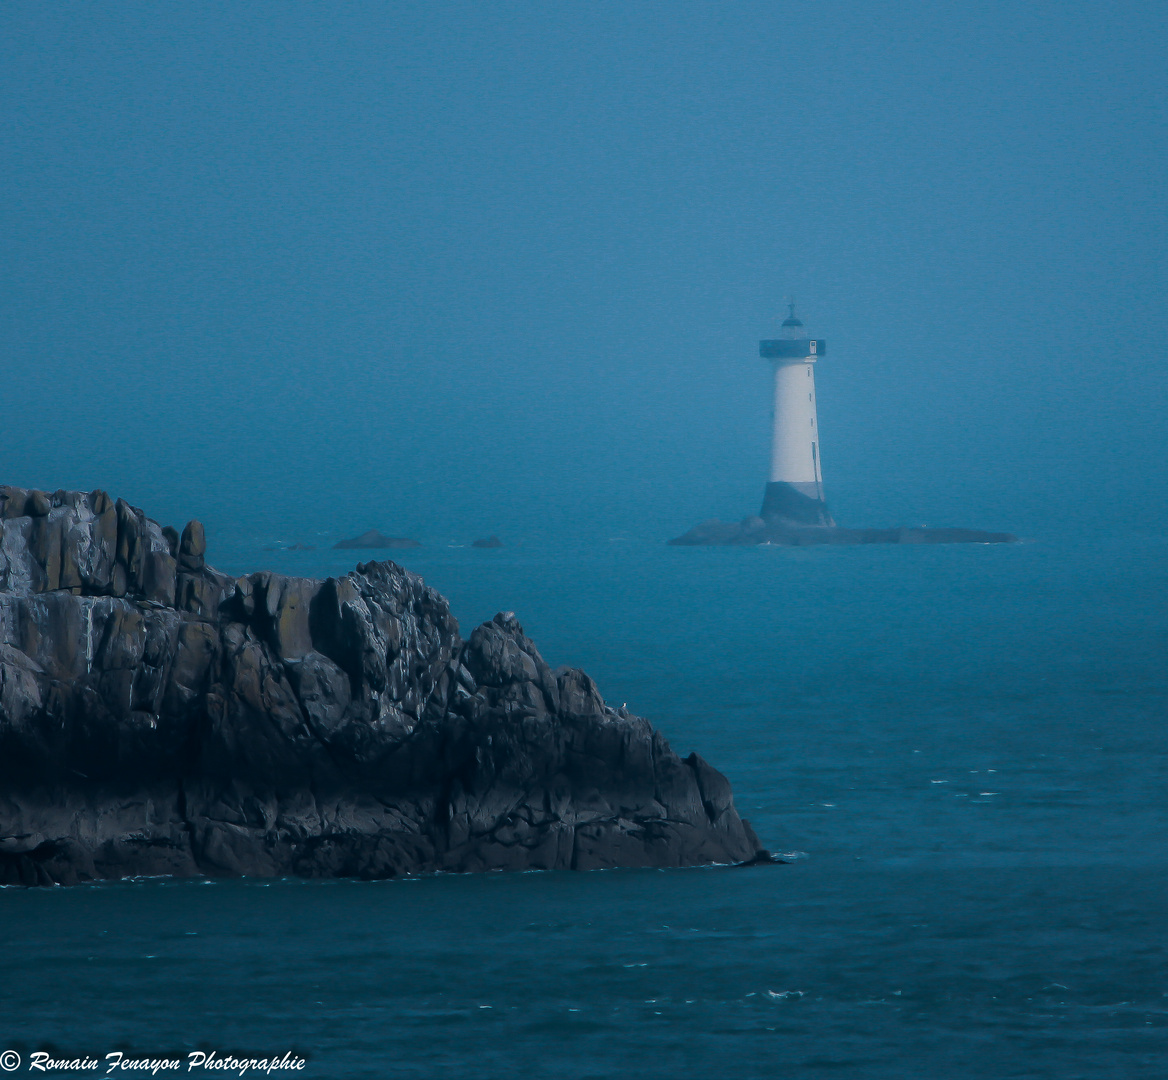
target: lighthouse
795 490
794 511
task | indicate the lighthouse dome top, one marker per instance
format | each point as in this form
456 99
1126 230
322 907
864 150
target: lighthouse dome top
792 328
793 344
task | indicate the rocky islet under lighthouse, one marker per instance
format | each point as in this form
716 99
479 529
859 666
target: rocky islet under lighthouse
794 510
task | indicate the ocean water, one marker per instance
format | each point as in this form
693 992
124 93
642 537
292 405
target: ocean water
966 746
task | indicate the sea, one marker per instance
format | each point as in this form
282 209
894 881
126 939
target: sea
961 750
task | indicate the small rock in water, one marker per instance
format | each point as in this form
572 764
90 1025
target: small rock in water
491 541
762 857
374 539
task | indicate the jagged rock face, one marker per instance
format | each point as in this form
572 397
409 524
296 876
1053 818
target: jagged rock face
158 717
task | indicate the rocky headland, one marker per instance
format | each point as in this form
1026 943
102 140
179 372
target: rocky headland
158 717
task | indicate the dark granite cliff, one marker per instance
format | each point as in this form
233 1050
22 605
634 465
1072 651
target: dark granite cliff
159 717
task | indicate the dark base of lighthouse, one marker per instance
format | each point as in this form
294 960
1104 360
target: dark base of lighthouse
793 519
785 502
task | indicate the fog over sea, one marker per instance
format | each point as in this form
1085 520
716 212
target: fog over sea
451 271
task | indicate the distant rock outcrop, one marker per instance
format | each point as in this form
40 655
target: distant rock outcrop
159 717
374 539
756 530
491 541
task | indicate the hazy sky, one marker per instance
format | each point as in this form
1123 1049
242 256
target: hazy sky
452 268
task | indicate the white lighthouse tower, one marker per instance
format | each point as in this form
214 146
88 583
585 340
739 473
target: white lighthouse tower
795 490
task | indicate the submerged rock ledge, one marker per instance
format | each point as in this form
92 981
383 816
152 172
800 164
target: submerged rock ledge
158 717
